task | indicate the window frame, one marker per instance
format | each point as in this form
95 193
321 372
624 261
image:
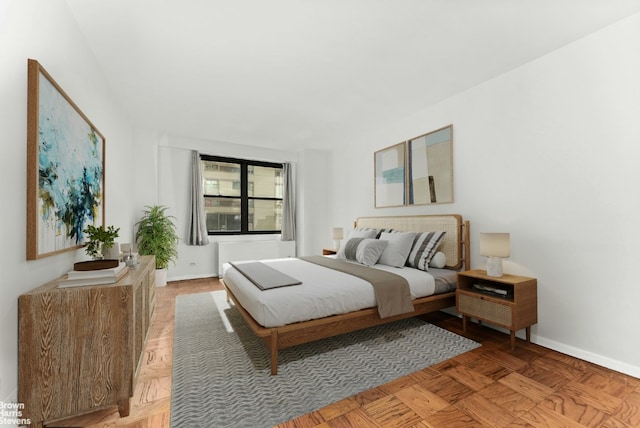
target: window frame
244 194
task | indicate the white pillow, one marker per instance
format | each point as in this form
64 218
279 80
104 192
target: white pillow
439 260
366 233
397 250
366 251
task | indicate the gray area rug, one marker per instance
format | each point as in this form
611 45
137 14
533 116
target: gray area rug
222 377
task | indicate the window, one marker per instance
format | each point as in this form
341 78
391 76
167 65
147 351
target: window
241 196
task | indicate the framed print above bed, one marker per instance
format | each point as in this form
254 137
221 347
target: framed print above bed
390 176
430 175
65 168
418 171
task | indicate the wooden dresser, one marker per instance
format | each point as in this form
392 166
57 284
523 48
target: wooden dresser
80 348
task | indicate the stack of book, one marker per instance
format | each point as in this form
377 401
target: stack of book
491 290
81 278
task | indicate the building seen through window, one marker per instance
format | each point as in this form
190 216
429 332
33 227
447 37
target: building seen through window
242 196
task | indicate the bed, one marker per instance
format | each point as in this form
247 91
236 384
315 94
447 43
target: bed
293 324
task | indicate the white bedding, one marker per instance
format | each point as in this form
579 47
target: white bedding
323 291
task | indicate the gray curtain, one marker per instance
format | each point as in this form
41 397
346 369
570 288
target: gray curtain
288 205
198 225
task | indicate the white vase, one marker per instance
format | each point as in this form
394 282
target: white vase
161 277
112 252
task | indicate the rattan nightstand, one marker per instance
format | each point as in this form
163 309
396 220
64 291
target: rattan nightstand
512 304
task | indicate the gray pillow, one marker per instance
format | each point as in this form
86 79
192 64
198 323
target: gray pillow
397 250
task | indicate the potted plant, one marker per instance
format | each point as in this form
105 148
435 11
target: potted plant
101 241
156 235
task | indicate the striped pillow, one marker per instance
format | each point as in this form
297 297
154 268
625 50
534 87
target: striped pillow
378 232
425 246
357 233
366 251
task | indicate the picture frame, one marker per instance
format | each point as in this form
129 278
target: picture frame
390 176
430 167
65 168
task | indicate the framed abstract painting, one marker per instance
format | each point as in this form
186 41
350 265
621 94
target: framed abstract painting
389 176
430 172
65 169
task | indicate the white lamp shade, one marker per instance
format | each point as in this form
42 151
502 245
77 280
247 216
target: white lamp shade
337 233
495 244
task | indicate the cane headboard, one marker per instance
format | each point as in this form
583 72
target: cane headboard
455 245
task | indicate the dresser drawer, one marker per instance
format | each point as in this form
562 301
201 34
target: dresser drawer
475 306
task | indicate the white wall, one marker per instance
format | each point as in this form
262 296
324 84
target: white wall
548 152
46 31
312 201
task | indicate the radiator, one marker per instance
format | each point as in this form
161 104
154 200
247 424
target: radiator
229 251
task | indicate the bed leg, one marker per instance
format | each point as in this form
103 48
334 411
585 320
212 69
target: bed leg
274 352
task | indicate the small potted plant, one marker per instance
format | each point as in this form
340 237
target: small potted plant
101 240
156 235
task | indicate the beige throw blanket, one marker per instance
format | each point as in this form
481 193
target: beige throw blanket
392 292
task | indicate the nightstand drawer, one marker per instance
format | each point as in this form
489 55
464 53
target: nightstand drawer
476 307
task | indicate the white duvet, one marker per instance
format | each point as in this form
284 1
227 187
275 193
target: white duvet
323 291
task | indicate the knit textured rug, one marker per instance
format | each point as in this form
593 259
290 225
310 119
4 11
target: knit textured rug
222 377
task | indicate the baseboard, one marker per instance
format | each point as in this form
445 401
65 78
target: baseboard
600 360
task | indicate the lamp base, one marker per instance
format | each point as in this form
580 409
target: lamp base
494 267
336 244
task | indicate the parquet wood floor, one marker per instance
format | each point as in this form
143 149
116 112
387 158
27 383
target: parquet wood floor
488 387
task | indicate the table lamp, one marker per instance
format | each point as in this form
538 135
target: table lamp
337 233
495 246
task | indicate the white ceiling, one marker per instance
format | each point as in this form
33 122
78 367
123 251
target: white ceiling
304 73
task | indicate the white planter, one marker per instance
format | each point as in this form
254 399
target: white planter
161 277
112 252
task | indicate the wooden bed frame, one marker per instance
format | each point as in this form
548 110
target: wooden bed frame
455 246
